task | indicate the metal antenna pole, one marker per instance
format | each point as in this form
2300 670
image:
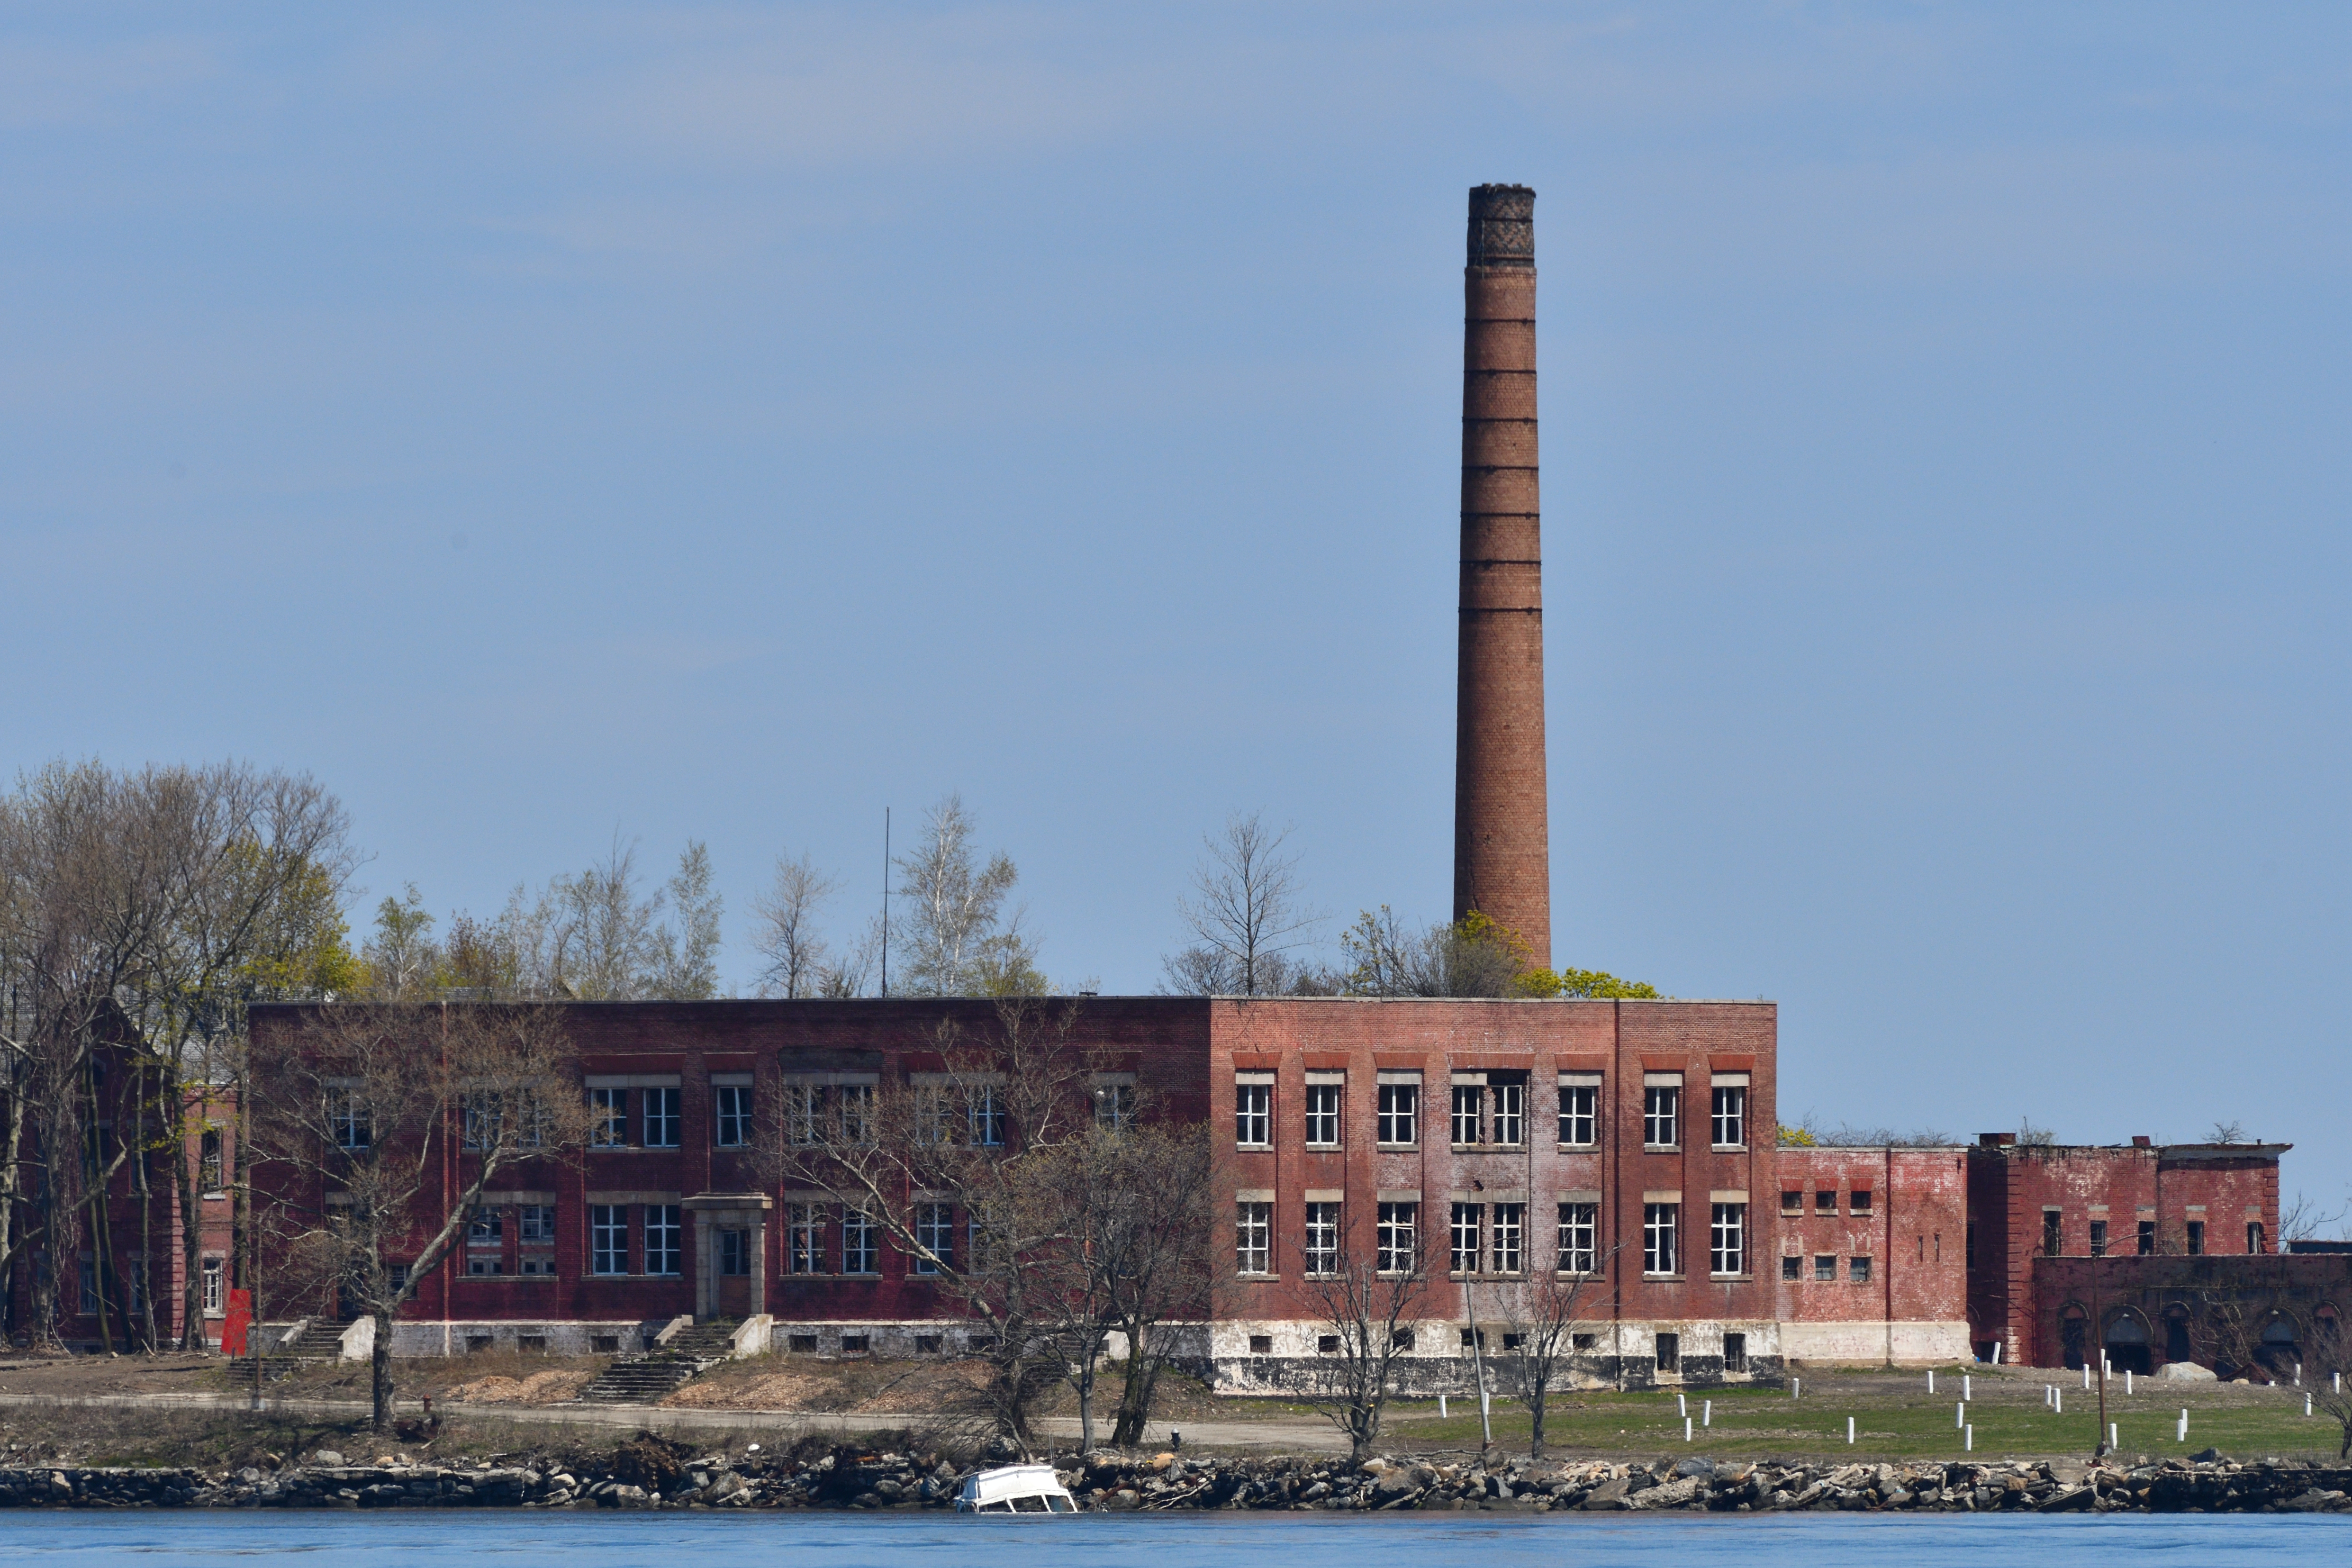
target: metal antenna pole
886 900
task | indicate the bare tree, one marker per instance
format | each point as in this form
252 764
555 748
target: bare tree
951 922
970 1143
1244 914
787 935
354 1136
1544 1336
1368 1313
2327 1371
2231 1132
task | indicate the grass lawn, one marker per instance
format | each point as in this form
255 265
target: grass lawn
1895 1417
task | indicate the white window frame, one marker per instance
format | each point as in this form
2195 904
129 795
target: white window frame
861 1242
608 1240
663 1124
730 1115
665 1241
1254 1111
1400 1112
1466 1112
1322 1240
1579 1109
804 1238
984 1115
215 1284
1507 1114
935 1230
1465 1238
1661 1239
1506 1231
1662 1111
608 1117
1326 1102
1398 1233
1578 1243
1727 1240
1253 1236
1727 1111
535 1224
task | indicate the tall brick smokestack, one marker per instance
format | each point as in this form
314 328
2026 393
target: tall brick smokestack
1502 855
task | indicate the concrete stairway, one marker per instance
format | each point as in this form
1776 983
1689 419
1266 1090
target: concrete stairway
643 1379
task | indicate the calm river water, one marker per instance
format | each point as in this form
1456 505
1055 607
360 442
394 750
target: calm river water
836 1541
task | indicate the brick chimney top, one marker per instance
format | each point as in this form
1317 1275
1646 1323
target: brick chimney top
1995 1139
2142 1140
1502 226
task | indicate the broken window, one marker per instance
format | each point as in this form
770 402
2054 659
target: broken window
2098 1238
2052 1238
804 1239
1825 1268
347 1112
1580 1105
1510 1119
803 1114
608 1117
208 1159
1662 1105
2253 1235
2196 1238
485 1119
1401 1339
1254 1238
1261 1344
1825 1202
852 1112
1322 1238
1580 1225
1670 1354
1469 1101
2147 1238
731 1115
214 1283
1323 1113
1468 1220
860 1249
1327 1345
1660 1252
935 1234
1857 1202
1400 1107
1115 1105
1858 1270
856 1344
1397 1238
661 1118
1730 1114
928 1344
1793 1204
486 1227
1474 1339
1510 1226
1727 1240
1735 1353
1792 1266
734 1253
665 1240
804 1343
608 1238
984 1114
1254 1112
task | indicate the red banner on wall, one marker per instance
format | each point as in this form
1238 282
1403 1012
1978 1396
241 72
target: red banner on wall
238 1320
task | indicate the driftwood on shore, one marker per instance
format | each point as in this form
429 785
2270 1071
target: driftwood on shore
648 1473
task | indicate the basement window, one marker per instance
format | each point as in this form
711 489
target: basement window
603 1344
1327 1345
477 1344
804 1344
926 1344
1670 1352
531 1344
1261 1344
856 1344
1582 1342
1735 1353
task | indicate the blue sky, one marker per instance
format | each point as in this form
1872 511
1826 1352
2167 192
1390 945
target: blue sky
545 421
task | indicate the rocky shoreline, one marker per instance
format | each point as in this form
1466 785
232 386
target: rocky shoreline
649 1473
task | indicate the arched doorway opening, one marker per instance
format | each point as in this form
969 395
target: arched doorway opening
2176 1334
2128 1347
2281 1349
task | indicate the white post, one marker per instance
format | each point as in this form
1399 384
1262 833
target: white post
1959 1415
2086 1377
1796 1387
1707 1412
2128 1383
2059 1400
1996 1352
2306 1405
1972 1435
2181 1433
1931 1380
1849 1430
1686 1431
2339 1383
1441 1406
2298 1375
1967 1392
1681 1406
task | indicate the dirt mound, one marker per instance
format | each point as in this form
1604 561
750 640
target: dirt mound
768 1391
539 1388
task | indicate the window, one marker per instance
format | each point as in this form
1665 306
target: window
803 1114
1115 1106
1322 1238
1469 1102
2147 1238
1579 1241
1327 1345
984 1106
1728 1241
933 1125
485 1119
1468 1220
665 1240
214 1281
804 1239
859 1253
2098 1238
347 1114
1510 1227
2052 1239
541 1265
1858 1270
661 1118
1730 1115
735 1253
1735 1353
1253 1114
2196 1238
1261 1344
1825 1268
400 1277
1400 1107
535 1223
1825 1202
1793 1267
1474 1339
208 1159
1401 1340
608 1117
1792 1205
488 1264
1579 1106
1659 1224
608 1238
2253 1235
487 1228
1661 1106
935 1233
1510 1114
1323 1114
731 1115
1254 1238
1857 1202
856 1344
928 1344
1670 1354
1398 1239
852 1112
